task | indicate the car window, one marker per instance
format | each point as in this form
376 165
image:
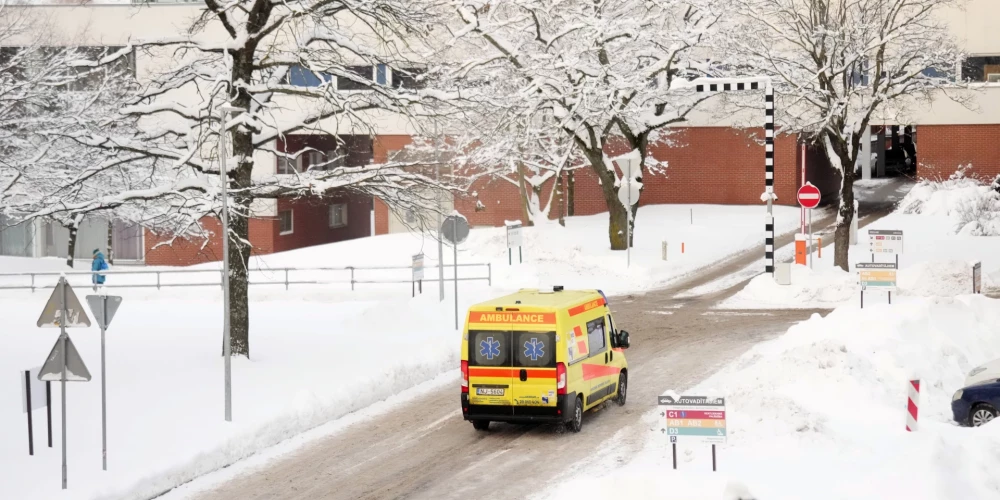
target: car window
489 348
595 336
535 349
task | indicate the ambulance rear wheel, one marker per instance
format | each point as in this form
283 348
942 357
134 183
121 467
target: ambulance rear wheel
622 389
577 423
481 425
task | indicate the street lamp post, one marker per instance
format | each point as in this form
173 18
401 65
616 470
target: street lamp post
224 177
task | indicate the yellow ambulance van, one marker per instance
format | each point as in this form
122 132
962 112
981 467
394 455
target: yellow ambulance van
541 356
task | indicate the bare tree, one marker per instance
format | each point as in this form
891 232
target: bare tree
44 91
839 64
606 71
294 67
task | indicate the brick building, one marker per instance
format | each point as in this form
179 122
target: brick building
715 163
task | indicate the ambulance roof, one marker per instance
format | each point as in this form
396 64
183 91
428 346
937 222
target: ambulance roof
541 299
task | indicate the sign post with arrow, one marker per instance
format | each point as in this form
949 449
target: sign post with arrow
104 308
64 364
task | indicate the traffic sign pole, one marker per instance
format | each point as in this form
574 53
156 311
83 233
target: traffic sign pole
810 241
104 387
62 338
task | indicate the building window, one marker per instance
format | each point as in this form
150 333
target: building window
338 215
381 74
285 222
301 76
979 69
362 72
287 165
407 78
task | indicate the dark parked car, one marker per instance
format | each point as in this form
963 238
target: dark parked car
977 404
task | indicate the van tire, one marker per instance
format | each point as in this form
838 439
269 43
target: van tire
577 422
622 389
481 425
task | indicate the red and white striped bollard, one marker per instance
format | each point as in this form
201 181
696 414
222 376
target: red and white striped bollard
912 404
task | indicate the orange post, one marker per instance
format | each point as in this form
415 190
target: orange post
801 252
682 247
819 248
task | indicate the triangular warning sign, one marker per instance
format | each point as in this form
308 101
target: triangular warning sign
52 370
99 304
53 314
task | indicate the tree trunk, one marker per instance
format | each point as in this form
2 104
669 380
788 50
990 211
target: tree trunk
570 195
239 261
617 217
241 182
111 240
560 199
71 244
842 236
525 206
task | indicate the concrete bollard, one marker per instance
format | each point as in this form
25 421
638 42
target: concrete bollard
663 249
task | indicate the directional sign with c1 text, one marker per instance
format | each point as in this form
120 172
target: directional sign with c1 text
877 275
695 418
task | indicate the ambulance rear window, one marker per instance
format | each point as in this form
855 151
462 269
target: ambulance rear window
489 348
535 349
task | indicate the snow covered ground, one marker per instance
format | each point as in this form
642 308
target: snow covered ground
819 413
318 351
937 260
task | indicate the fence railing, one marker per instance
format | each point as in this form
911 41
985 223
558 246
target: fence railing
286 276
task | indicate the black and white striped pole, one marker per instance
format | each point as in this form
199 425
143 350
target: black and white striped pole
755 83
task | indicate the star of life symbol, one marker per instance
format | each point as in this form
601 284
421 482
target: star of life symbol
534 349
489 348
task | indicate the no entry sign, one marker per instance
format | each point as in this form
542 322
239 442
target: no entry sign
808 196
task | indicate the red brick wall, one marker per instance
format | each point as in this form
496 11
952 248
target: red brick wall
311 221
310 227
383 144
941 149
183 252
713 165
381 217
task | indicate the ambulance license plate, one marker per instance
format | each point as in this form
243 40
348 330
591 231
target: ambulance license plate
488 391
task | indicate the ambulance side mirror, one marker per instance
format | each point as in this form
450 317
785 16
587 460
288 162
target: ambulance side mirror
623 339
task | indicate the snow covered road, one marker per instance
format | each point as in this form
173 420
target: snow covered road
423 448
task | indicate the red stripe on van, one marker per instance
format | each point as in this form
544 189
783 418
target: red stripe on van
483 371
582 308
591 371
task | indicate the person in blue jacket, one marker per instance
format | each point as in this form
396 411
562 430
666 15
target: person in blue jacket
98 265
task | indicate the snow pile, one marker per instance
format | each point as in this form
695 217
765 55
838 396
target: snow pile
938 279
973 205
819 413
810 288
829 287
318 351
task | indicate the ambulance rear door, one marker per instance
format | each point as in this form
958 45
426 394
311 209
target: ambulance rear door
491 366
534 369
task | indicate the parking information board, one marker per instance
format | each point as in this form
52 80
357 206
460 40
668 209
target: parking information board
883 241
877 275
695 419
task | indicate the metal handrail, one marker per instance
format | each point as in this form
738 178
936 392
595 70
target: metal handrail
275 270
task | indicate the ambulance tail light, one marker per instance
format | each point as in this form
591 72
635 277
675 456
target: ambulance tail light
465 376
561 378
